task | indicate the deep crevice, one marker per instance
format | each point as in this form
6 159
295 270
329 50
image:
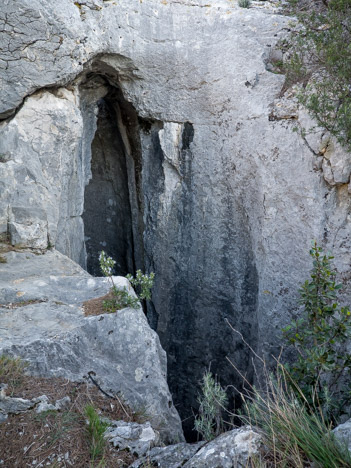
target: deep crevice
197 288
107 215
113 202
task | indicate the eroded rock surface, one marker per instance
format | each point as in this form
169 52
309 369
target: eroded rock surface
172 456
136 438
343 434
233 449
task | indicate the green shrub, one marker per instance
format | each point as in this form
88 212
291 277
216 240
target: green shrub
143 284
319 335
120 300
209 422
244 3
121 297
321 60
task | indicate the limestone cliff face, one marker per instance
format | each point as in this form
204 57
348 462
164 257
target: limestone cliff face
161 122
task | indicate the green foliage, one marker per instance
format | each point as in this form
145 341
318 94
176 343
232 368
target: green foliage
295 436
321 60
142 283
121 297
213 401
244 3
319 336
96 430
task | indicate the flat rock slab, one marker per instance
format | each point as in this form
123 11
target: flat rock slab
119 350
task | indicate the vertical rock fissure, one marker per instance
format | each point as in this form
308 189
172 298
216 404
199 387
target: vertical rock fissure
145 206
110 201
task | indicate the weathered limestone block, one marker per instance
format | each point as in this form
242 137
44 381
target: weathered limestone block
28 227
136 438
343 433
43 176
172 456
232 449
120 351
336 164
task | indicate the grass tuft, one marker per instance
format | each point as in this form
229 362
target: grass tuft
11 371
295 434
96 430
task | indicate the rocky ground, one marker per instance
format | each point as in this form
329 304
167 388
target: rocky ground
49 437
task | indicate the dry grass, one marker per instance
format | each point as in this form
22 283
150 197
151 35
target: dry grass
95 306
12 372
295 435
56 437
16 305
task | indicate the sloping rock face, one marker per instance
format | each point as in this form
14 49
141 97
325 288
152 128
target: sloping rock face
224 198
42 321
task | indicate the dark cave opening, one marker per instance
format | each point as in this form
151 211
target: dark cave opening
111 205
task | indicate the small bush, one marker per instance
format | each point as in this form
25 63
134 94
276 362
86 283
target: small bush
319 337
143 284
121 297
320 58
244 3
209 422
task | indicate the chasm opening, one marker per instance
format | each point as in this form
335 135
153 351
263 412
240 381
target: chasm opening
166 222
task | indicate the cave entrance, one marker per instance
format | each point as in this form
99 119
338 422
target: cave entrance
110 200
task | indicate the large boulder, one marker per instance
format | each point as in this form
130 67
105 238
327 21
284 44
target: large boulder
233 449
42 321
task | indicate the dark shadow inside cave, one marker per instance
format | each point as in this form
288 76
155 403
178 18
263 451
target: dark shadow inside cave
111 206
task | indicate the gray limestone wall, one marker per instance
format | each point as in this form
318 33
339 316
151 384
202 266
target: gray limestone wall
215 191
